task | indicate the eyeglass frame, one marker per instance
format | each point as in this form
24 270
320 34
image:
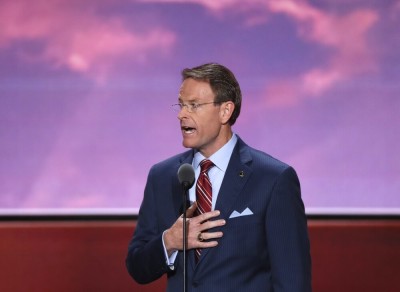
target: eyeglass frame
191 107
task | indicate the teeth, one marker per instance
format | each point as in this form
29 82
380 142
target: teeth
188 129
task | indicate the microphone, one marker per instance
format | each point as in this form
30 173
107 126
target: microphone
186 176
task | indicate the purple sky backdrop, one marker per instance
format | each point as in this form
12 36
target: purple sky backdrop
86 89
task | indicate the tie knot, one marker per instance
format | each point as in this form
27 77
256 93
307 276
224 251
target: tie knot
205 165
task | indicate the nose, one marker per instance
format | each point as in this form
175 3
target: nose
182 113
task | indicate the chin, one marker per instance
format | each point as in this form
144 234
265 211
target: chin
187 144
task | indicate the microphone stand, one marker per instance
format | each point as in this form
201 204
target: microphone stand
186 178
184 240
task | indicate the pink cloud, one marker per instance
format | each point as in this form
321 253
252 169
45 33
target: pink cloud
282 93
255 10
345 35
209 4
75 37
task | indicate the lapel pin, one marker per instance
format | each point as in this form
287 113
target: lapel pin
241 173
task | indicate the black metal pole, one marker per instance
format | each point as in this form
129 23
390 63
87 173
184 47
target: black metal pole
184 240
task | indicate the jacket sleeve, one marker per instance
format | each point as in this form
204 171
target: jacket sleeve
287 235
146 260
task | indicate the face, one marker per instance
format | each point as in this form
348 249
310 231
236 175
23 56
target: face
206 129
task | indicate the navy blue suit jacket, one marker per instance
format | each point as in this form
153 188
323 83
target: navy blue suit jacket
266 251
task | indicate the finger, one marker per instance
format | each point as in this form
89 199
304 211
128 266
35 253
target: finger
208 239
207 244
211 235
207 216
212 223
195 243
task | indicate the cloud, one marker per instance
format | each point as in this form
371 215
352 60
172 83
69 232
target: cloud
345 35
255 11
71 34
212 5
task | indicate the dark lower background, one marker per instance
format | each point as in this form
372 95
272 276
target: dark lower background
88 253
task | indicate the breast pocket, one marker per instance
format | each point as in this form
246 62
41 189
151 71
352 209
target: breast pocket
245 235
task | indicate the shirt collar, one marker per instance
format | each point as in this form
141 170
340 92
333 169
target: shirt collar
220 158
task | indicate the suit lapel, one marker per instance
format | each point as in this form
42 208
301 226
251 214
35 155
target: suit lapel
236 176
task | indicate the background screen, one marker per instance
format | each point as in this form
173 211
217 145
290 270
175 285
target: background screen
86 89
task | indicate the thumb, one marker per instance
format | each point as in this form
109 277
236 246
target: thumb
190 211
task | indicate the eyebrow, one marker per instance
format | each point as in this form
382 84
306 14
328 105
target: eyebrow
188 101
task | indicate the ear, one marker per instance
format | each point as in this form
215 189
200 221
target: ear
226 111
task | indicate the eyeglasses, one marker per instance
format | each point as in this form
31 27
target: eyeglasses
190 107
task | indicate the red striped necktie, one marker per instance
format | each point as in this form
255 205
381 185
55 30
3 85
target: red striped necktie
203 192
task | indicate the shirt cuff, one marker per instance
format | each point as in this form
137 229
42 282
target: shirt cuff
169 260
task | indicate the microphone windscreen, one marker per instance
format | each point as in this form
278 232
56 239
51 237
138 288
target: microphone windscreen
186 175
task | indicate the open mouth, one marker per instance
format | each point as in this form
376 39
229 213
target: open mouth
188 130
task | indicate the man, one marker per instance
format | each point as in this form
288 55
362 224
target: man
247 229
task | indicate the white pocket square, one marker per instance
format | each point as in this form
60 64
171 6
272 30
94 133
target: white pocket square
246 212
